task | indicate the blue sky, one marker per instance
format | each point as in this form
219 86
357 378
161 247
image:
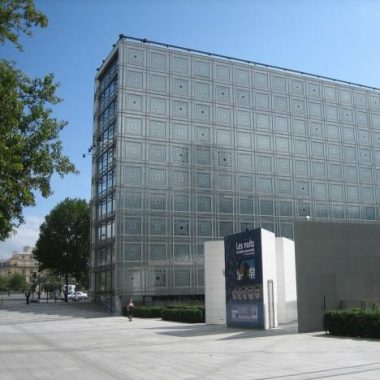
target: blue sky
334 38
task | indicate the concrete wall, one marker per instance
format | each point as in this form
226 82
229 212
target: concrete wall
268 247
286 280
335 264
215 287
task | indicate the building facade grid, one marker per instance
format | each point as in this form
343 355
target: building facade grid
190 148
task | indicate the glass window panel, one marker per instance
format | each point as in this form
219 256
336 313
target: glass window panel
335 171
246 183
180 178
338 211
158 278
132 252
246 206
321 210
182 253
225 204
265 185
132 175
266 207
320 190
226 228
203 203
353 212
263 142
349 153
180 155
157 226
318 169
286 230
334 152
181 202
286 208
368 194
366 174
225 182
351 174
282 165
369 213
264 164
336 191
157 201
301 168
157 252
352 193
303 209
132 200
204 180
132 226
204 228
203 157
157 177
181 227
303 188
182 278
284 187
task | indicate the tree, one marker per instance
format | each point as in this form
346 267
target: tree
3 282
17 282
64 241
30 148
17 17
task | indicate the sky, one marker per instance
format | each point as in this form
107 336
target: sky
333 38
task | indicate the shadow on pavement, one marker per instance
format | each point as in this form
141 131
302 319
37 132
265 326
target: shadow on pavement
201 329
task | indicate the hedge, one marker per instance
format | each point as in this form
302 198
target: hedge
145 311
354 323
184 314
179 313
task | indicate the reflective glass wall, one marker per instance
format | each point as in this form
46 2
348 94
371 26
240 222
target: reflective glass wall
206 147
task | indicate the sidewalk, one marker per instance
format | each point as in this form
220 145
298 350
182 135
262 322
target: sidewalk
66 342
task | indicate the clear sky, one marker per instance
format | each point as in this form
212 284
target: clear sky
334 38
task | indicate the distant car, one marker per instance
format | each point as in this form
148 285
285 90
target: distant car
71 297
80 296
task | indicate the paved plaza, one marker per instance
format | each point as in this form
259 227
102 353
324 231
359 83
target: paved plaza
81 341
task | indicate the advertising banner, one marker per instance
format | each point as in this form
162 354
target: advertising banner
244 280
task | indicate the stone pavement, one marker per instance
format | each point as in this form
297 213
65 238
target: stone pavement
81 341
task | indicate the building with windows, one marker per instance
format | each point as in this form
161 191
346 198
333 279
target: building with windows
20 262
191 146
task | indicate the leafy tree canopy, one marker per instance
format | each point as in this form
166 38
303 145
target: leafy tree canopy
64 241
17 282
18 17
30 148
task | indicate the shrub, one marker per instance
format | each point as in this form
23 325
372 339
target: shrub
187 314
178 313
355 323
145 311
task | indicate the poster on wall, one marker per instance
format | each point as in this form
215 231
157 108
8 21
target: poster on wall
244 280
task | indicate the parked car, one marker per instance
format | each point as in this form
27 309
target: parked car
80 296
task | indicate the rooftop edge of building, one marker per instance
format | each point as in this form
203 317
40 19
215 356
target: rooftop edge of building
123 37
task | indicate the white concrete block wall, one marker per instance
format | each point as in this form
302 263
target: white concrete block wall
286 281
215 287
268 247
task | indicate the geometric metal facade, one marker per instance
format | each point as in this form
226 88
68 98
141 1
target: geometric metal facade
191 147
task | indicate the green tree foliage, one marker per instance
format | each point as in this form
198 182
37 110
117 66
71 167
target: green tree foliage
30 148
64 241
17 281
18 17
3 283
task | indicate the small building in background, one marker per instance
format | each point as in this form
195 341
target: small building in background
20 262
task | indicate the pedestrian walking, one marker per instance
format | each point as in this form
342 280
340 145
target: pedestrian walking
27 296
130 308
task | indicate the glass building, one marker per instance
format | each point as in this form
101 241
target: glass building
190 146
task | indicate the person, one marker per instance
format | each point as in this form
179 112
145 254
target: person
130 308
27 295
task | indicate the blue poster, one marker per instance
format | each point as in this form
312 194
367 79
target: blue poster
244 280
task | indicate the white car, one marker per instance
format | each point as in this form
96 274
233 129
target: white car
80 296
